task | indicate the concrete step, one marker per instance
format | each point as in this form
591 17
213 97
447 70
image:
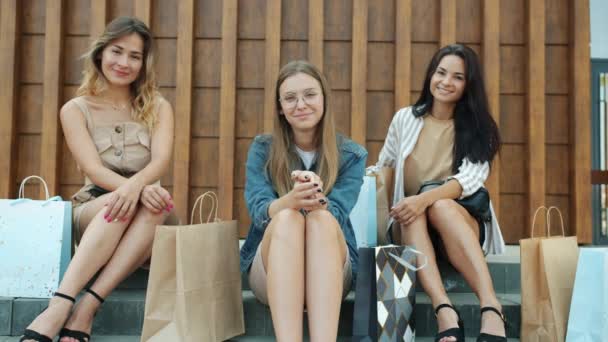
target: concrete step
505 275
133 338
123 311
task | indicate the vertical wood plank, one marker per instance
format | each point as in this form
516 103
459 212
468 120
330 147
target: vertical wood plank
491 65
315 33
9 34
447 24
273 58
536 106
358 122
143 11
227 108
99 17
580 163
50 138
183 108
403 54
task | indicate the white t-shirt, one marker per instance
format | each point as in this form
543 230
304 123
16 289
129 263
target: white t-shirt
307 157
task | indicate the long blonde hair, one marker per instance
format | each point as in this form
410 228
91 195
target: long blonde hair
144 92
282 152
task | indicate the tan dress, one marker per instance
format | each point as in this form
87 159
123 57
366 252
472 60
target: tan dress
431 158
123 146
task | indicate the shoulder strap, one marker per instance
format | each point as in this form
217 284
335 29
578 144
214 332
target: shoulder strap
85 110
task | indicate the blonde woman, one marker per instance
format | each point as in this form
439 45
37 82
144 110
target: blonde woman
301 184
120 132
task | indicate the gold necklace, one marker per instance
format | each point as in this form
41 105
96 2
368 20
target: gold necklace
115 106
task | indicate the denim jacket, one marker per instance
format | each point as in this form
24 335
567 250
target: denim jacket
259 193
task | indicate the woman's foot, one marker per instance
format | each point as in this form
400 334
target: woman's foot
82 317
447 318
492 323
49 322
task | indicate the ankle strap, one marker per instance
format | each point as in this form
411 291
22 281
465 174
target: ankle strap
94 294
494 310
445 305
64 296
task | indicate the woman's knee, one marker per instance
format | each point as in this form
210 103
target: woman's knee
322 224
286 224
441 209
143 213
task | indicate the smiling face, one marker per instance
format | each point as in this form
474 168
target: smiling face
301 99
122 59
449 80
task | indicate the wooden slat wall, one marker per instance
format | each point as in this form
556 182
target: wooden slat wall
183 108
272 61
99 17
374 54
403 53
491 63
143 10
447 22
359 73
315 32
50 141
536 107
580 155
9 37
227 108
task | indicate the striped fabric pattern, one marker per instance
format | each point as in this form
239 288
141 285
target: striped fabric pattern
402 136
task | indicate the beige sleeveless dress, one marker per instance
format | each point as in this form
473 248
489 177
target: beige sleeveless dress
123 146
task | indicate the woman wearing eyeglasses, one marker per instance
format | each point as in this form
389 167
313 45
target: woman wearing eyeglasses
302 181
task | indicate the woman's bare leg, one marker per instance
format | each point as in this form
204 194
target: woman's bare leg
134 249
283 258
325 258
459 232
96 247
416 234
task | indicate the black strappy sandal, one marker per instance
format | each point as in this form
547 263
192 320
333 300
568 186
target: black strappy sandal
483 337
29 334
81 336
458 333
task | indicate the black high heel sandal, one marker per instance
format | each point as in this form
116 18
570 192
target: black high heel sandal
29 334
81 336
483 337
458 333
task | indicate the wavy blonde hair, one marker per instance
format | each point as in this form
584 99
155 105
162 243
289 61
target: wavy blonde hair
144 91
283 155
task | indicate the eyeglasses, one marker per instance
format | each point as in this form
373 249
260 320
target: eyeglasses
290 101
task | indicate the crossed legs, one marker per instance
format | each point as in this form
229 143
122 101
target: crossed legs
304 259
459 233
120 246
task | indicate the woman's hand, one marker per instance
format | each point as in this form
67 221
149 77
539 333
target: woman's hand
122 202
304 195
299 176
408 209
156 199
303 177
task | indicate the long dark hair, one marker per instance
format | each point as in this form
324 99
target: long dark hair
476 134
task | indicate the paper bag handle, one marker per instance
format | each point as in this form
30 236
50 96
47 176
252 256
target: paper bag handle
534 220
199 202
561 219
407 264
22 186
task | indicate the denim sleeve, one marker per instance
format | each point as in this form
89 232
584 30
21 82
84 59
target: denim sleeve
345 192
259 192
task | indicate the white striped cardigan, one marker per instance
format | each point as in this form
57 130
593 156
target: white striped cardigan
402 137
